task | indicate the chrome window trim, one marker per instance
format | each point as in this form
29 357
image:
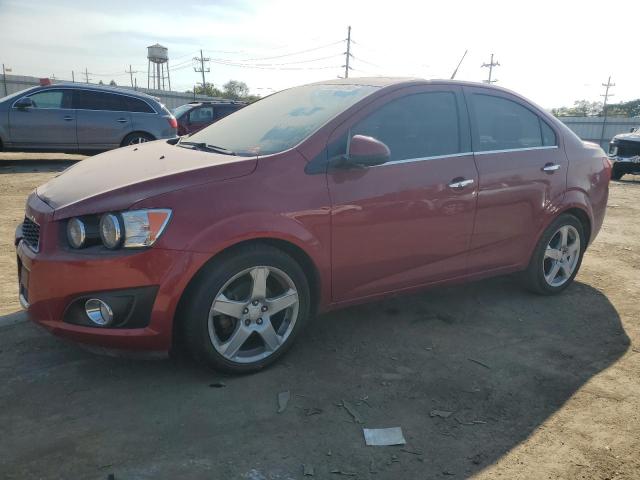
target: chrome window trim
66 87
422 159
462 154
487 152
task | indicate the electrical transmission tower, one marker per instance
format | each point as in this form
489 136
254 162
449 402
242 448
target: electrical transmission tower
201 68
606 96
347 54
490 65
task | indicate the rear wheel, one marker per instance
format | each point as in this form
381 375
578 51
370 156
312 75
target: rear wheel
246 309
137 137
557 257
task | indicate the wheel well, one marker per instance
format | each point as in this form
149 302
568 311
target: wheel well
297 253
132 133
584 220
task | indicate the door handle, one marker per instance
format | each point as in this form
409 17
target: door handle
551 167
459 183
67 118
122 120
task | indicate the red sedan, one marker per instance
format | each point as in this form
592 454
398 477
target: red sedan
311 199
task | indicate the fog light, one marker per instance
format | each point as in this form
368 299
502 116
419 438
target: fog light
98 312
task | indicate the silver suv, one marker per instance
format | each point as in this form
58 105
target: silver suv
71 118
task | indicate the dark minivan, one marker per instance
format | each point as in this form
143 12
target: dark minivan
194 116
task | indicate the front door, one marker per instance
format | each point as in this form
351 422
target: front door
49 123
523 174
407 222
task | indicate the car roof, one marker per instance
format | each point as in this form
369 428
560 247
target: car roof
100 88
222 101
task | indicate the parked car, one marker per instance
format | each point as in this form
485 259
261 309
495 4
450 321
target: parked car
194 116
311 199
624 152
70 117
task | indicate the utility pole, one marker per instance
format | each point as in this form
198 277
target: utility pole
347 53
86 75
491 64
73 76
202 70
131 72
4 79
604 105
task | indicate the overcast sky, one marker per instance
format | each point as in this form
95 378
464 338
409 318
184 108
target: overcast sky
553 52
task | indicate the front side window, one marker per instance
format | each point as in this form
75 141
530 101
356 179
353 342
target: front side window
282 120
416 126
503 124
89 100
51 99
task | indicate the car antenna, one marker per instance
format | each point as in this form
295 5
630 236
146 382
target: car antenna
459 63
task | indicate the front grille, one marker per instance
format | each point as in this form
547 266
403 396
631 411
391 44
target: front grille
31 233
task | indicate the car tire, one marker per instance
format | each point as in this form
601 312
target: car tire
557 257
137 137
617 172
229 317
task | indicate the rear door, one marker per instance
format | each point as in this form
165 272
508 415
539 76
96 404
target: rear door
49 123
200 117
522 176
103 119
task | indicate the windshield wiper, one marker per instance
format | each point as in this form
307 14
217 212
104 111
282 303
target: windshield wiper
207 147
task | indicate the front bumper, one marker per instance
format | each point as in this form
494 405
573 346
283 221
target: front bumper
627 160
55 278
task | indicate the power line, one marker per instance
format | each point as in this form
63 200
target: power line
292 53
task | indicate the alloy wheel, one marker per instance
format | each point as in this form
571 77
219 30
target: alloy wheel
561 256
253 314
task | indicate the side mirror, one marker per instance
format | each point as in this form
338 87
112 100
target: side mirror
24 103
367 151
633 130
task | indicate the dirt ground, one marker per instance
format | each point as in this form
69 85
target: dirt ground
537 387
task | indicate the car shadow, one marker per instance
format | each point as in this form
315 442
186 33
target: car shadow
494 361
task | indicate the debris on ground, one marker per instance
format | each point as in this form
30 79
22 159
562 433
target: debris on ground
352 411
308 470
283 400
479 363
472 422
440 413
342 472
312 411
380 437
217 385
412 452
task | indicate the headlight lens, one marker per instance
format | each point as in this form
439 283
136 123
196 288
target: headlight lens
143 227
110 230
76 233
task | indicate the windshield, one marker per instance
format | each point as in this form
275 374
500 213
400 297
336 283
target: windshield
178 111
282 120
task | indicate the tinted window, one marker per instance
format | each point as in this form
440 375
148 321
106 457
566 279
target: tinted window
137 105
201 115
416 126
548 135
282 120
178 111
51 99
503 125
224 110
87 100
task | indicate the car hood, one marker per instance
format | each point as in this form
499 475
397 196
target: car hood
117 179
629 137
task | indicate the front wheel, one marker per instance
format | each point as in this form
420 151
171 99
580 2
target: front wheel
246 309
557 257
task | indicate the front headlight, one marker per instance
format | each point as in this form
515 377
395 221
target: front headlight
110 230
76 233
143 227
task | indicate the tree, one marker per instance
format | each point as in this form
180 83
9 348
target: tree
113 83
581 108
235 90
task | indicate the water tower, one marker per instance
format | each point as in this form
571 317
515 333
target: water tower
158 67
